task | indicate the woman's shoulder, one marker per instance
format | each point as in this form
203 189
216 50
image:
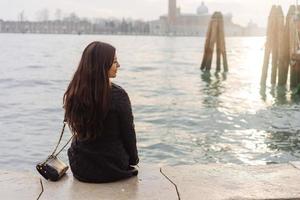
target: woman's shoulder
118 89
116 86
120 95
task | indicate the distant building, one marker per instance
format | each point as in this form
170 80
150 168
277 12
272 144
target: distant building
174 23
76 27
177 23
1 22
254 30
80 27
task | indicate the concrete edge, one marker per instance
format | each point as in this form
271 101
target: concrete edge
295 164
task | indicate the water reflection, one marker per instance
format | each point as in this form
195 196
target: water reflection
279 95
295 98
284 141
213 89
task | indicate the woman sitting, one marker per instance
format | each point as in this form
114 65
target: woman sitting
100 116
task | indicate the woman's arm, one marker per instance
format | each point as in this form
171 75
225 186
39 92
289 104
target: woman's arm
127 129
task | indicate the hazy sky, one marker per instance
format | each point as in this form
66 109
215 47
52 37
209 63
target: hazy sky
242 10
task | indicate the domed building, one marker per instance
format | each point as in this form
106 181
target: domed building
177 23
203 9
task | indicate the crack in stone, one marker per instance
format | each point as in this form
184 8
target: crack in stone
41 191
294 165
177 191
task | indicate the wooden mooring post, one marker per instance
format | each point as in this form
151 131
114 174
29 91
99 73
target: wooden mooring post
215 35
285 57
273 46
283 43
295 71
294 30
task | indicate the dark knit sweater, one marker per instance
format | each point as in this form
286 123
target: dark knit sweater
109 156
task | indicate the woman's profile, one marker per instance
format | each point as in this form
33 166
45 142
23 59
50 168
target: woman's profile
99 114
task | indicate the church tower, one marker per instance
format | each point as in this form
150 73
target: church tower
172 11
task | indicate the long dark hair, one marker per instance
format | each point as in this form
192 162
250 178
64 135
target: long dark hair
86 101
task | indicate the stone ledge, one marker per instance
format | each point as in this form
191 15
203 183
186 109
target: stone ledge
16 185
207 182
220 182
148 185
295 164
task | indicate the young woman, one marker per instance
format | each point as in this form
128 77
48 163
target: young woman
99 114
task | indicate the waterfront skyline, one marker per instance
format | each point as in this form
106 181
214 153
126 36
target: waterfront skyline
243 10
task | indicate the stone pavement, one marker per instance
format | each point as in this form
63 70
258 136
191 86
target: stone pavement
193 182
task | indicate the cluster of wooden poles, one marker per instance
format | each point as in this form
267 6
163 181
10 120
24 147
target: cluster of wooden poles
215 37
282 42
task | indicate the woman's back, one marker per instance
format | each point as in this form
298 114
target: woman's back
99 113
108 157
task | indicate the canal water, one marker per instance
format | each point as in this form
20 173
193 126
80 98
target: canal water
182 115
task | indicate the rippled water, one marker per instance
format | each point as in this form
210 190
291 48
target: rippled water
182 115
